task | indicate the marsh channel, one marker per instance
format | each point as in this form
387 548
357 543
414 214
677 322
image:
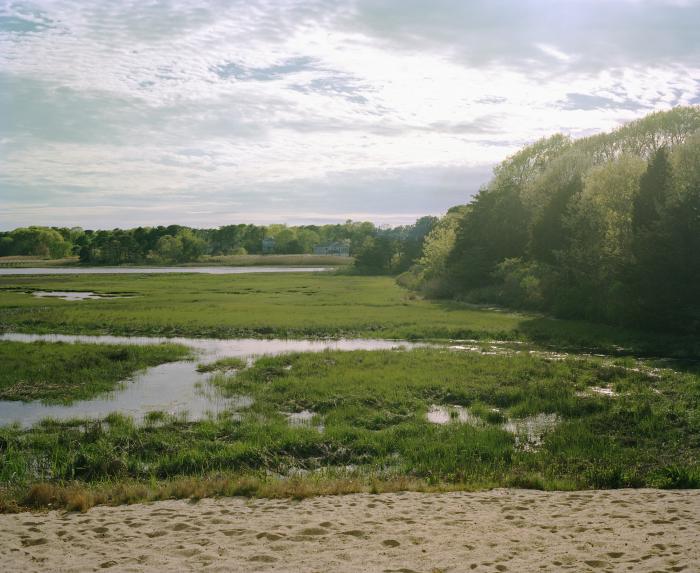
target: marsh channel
176 387
158 270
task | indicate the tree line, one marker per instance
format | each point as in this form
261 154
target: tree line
376 250
605 228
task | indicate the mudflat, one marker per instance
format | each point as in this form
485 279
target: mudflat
498 530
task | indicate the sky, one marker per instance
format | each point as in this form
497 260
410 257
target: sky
144 112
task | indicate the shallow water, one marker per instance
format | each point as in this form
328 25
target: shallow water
157 270
176 387
601 390
452 413
303 419
530 432
73 295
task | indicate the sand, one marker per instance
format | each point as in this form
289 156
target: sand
499 530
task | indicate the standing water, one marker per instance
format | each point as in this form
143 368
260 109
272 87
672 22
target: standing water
176 387
157 270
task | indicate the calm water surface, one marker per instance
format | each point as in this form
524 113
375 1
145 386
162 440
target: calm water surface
157 270
176 387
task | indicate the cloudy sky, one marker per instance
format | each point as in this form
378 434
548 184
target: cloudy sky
122 113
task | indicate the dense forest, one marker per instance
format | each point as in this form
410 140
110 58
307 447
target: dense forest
376 250
605 228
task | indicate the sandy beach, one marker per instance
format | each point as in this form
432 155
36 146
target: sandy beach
499 530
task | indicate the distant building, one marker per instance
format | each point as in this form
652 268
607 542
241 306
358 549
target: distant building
338 249
268 246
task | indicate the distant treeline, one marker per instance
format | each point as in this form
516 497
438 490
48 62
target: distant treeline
605 228
376 250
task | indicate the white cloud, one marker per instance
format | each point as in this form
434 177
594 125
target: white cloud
554 52
241 101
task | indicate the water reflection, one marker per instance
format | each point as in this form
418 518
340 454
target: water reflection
157 270
176 387
74 295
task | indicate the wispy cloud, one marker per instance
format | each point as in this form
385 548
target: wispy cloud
291 108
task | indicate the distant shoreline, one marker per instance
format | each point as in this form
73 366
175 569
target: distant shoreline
207 261
134 270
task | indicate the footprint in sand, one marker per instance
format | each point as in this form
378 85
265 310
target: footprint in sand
269 536
354 533
234 532
390 543
313 531
263 558
34 542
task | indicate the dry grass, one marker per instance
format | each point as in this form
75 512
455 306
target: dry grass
32 261
81 497
274 260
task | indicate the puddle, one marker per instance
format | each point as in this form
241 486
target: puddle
529 432
303 419
157 270
452 413
175 388
170 388
74 295
599 390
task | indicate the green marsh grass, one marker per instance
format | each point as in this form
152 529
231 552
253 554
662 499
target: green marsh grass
222 365
292 305
373 432
60 373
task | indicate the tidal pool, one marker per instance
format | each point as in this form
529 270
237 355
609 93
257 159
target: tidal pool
529 432
303 419
74 295
157 270
452 413
176 387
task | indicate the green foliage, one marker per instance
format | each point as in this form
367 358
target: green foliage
437 246
393 250
398 247
370 414
293 305
654 189
184 246
222 365
550 237
603 228
43 242
521 283
491 230
375 255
